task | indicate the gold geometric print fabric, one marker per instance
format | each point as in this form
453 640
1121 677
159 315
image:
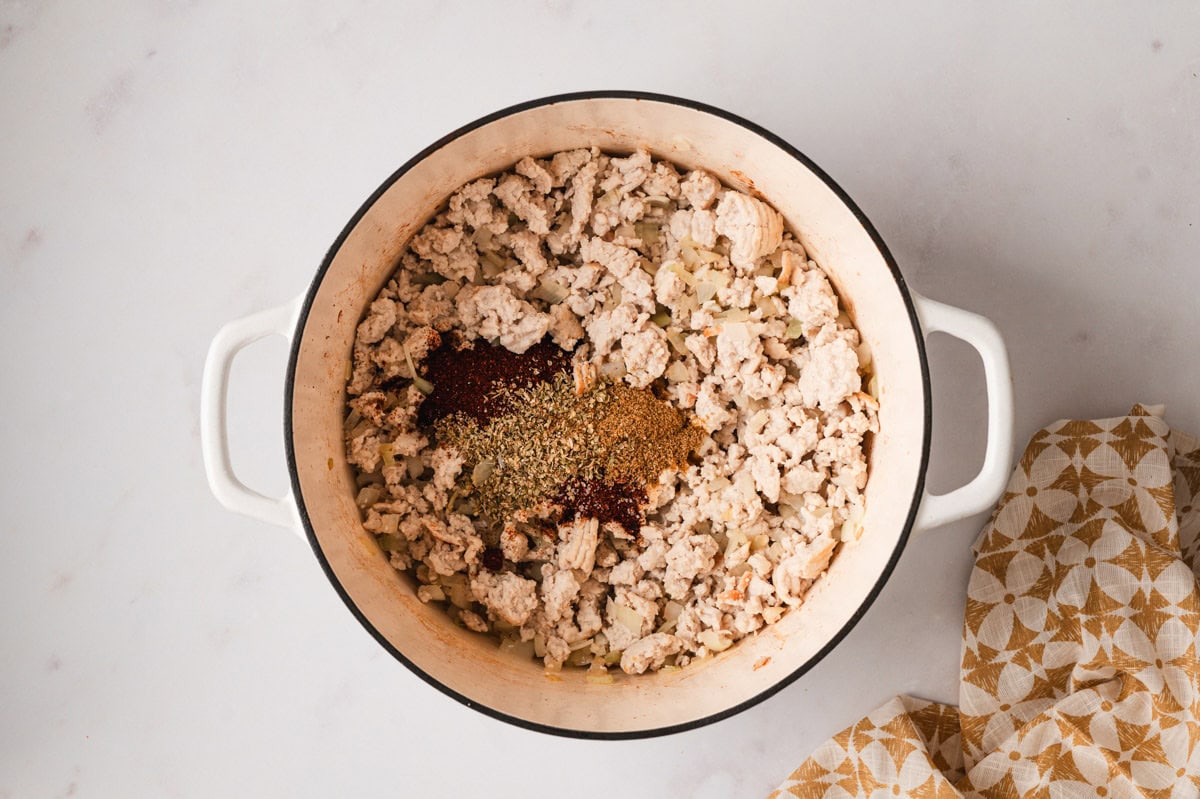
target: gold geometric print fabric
1080 674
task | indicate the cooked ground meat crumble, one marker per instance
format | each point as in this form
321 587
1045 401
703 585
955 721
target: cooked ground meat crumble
650 321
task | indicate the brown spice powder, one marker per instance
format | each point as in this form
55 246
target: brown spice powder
643 435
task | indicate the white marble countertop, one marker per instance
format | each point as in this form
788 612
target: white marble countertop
166 166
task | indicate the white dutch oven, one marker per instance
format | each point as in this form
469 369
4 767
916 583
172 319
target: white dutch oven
320 325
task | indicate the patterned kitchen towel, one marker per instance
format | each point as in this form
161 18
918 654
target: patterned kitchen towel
1079 665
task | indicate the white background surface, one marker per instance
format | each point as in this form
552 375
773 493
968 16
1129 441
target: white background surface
168 166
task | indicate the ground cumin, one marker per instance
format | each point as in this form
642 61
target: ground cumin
642 435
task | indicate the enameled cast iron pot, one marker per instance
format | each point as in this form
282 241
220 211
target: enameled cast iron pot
321 324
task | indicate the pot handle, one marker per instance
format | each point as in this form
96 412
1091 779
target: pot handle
983 491
214 430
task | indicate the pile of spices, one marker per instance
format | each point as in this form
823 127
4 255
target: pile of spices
642 435
527 436
519 458
470 380
604 501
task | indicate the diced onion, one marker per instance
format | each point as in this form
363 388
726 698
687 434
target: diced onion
387 454
415 466
852 527
423 385
734 315
614 298
392 543
714 640
739 570
677 341
408 360
647 232
705 291
683 273
795 329
483 471
430 593
551 291
736 540
864 356
628 618
689 254
677 372
662 318
454 497
672 610
598 678
794 501
768 306
718 278
458 591
369 495
368 478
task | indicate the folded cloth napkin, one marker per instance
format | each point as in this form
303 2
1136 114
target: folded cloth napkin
1079 662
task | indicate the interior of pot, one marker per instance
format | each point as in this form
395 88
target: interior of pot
470 664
